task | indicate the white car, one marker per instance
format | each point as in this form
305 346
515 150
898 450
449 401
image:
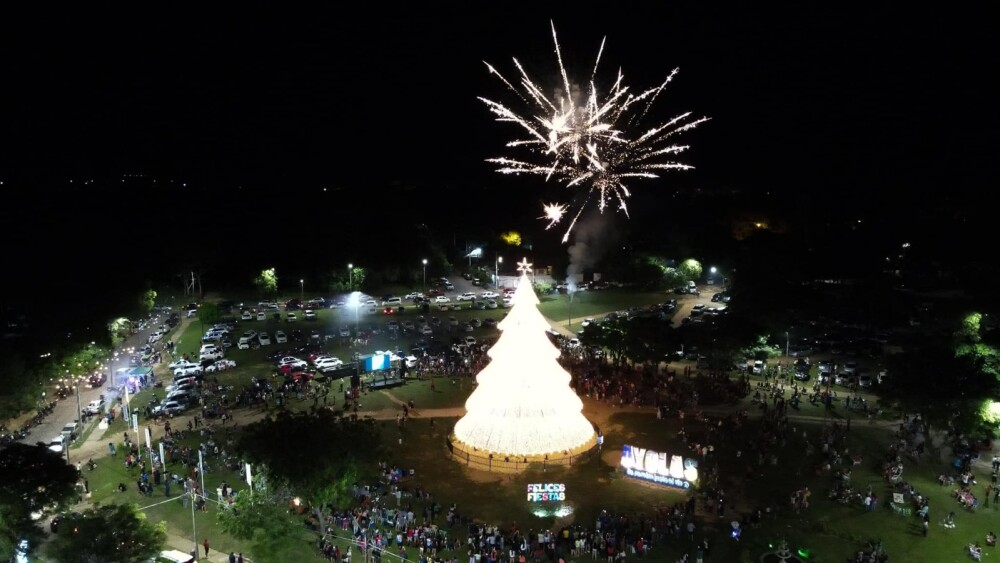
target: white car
213 355
442 299
294 362
193 369
489 295
426 329
507 302
491 304
309 315
181 363
414 295
261 316
57 444
328 364
221 365
467 296
291 317
280 337
94 407
246 316
264 339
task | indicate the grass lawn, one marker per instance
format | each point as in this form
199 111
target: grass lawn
592 303
112 471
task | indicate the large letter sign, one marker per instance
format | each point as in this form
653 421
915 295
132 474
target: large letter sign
538 492
658 467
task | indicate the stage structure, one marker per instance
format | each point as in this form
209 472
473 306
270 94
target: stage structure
523 409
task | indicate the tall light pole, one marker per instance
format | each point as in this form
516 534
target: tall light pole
350 276
787 346
302 290
425 274
496 271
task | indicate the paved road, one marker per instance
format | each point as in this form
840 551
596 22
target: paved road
67 410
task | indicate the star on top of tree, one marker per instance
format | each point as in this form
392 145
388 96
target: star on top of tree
523 266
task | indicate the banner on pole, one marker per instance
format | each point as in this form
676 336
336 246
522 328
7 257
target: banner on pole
149 440
135 422
249 477
163 461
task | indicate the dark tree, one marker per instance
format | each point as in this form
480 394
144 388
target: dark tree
318 456
19 386
116 533
31 478
945 389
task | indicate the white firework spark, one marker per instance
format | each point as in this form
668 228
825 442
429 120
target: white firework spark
588 139
553 213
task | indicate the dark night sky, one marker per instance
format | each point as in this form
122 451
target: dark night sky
881 108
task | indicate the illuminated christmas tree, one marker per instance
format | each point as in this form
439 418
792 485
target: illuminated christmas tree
523 405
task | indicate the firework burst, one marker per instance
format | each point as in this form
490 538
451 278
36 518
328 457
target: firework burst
588 140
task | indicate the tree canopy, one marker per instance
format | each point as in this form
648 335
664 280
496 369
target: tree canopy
267 281
945 388
116 533
317 455
31 478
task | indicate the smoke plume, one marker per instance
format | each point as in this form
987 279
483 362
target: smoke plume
594 235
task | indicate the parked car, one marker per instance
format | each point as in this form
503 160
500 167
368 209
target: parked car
181 363
291 317
169 407
309 315
467 296
264 339
280 337
442 299
190 369
57 444
94 407
293 362
328 363
217 354
70 431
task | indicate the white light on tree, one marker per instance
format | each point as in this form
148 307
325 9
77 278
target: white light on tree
524 405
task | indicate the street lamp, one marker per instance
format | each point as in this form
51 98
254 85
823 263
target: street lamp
496 271
302 290
787 347
350 275
425 274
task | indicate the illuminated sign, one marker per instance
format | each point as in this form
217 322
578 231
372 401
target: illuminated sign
538 492
659 468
